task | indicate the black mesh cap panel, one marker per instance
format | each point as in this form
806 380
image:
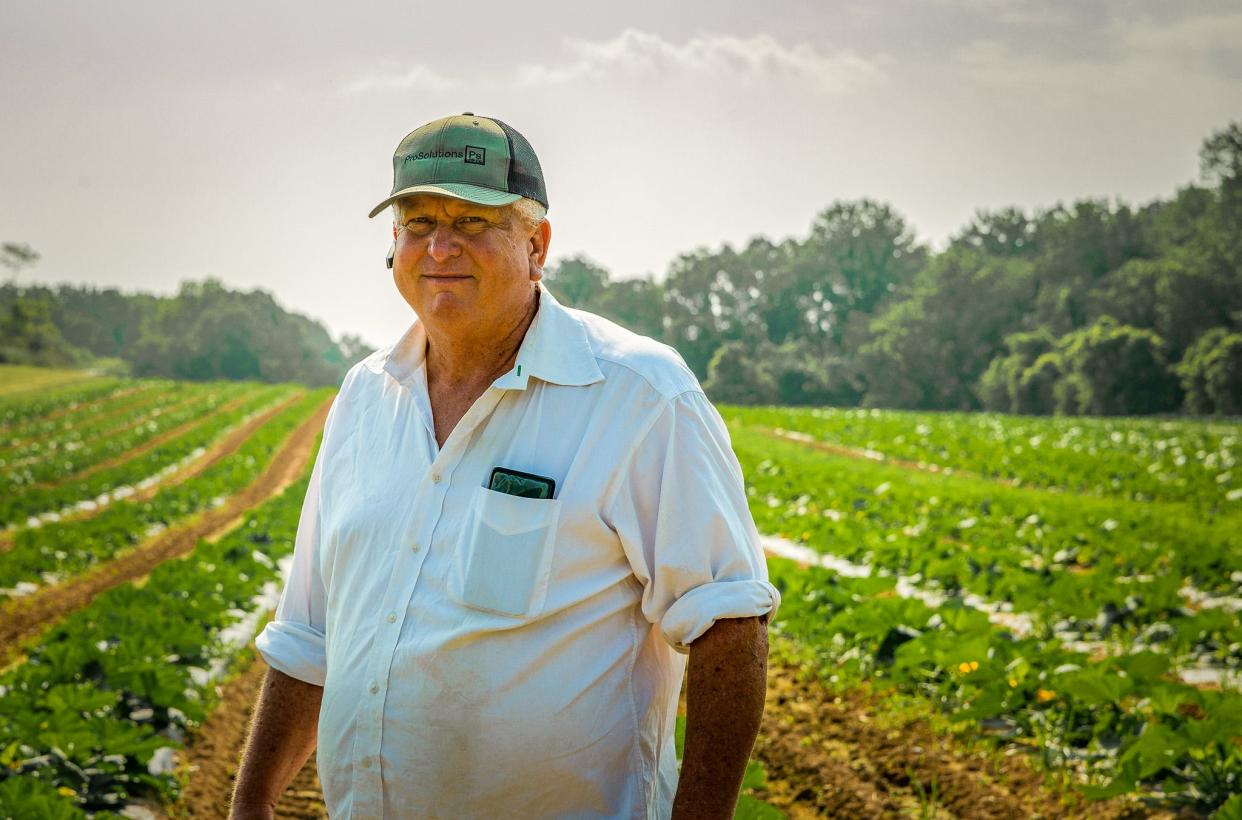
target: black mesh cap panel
525 174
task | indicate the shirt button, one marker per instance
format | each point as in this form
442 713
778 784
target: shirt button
374 688
435 478
392 617
415 546
366 763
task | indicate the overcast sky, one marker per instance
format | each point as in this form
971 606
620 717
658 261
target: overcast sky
143 143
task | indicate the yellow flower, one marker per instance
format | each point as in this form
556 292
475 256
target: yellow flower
966 667
1013 683
806 536
65 791
1045 695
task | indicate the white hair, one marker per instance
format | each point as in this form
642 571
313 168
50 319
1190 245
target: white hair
528 212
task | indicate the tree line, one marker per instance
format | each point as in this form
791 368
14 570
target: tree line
206 331
1097 307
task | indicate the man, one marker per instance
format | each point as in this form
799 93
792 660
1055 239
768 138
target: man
520 519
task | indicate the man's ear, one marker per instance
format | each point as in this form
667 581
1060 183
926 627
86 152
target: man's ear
537 249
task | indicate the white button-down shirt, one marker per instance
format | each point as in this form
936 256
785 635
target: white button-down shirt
489 655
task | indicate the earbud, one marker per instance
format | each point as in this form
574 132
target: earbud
392 251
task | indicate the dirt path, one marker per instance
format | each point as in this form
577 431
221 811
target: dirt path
213 753
224 446
24 618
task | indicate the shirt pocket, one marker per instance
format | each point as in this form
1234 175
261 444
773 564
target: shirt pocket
502 564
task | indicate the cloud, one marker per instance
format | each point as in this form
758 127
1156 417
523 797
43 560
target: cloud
1034 13
419 77
1208 42
1126 52
753 59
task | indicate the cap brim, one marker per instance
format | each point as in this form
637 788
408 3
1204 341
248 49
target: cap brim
458 190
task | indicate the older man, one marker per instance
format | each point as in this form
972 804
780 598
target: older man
521 519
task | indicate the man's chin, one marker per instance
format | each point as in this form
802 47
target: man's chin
447 305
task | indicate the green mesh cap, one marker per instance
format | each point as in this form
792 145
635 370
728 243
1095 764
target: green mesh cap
478 159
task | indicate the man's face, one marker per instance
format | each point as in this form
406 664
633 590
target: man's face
466 269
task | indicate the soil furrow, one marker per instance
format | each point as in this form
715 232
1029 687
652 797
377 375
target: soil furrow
862 455
129 423
146 446
24 618
224 446
214 752
21 442
839 754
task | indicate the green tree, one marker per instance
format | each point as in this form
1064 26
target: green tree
740 374
578 282
1001 387
1115 369
859 253
1077 247
1211 373
636 304
711 298
28 336
930 348
1008 232
15 256
1035 392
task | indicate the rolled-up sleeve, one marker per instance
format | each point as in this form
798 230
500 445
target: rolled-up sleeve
293 642
681 514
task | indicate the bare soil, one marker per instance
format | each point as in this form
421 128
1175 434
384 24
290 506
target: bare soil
211 758
24 618
841 754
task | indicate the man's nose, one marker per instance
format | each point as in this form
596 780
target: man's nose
441 244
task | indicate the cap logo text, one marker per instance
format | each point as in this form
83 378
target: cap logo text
476 155
438 154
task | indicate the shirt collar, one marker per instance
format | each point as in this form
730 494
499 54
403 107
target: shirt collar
554 349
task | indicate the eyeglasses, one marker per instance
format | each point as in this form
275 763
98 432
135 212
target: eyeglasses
423 226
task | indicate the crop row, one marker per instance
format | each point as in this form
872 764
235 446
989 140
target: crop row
18 477
1122 721
1143 460
72 429
32 435
90 721
119 480
70 547
15 410
1082 568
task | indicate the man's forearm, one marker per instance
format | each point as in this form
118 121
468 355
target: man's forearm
282 737
724 706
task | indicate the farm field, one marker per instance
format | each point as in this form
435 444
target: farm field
1070 587
957 638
